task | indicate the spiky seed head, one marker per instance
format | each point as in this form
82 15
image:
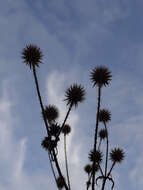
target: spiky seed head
97 156
66 129
88 168
48 144
54 129
32 55
51 112
103 134
104 115
74 94
100 76
60 182
117 155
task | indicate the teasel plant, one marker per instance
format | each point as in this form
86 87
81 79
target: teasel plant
100 77
74 95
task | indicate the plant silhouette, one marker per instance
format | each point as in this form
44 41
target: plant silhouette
97 168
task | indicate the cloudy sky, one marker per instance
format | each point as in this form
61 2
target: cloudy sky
74 36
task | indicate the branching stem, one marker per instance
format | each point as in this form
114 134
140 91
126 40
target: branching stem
96 132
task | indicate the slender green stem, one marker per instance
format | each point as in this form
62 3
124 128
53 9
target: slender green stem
66 161
68 112
96 132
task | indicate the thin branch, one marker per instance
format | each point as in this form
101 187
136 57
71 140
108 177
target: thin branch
99 144
40 99
107 149
59 170
96 132
111 169
106 162
66 161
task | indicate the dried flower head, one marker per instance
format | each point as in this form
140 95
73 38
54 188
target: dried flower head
88 168
66 129
32 55
51 112
104 115
54 129
60 182
103 134
100 76
117 155
48 144
97 156
74 94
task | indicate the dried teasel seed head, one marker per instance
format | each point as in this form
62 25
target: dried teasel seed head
66 129
48 144
103 134
54 129
74 94
51 113
104 115
117 155
97 155
88 169
32 55
100 76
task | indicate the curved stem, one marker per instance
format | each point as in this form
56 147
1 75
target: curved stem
40 99
66 162
46 124
96 132
68 112
107 149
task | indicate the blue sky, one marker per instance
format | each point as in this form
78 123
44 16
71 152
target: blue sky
74 36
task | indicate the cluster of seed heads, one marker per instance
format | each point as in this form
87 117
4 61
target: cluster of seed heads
100 76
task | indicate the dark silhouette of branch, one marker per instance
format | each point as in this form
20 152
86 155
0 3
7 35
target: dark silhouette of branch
66 161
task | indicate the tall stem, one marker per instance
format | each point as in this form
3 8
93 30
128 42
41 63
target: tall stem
106 162
46 124
107 149
66 162
52 168
96 132
40 99
59 170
